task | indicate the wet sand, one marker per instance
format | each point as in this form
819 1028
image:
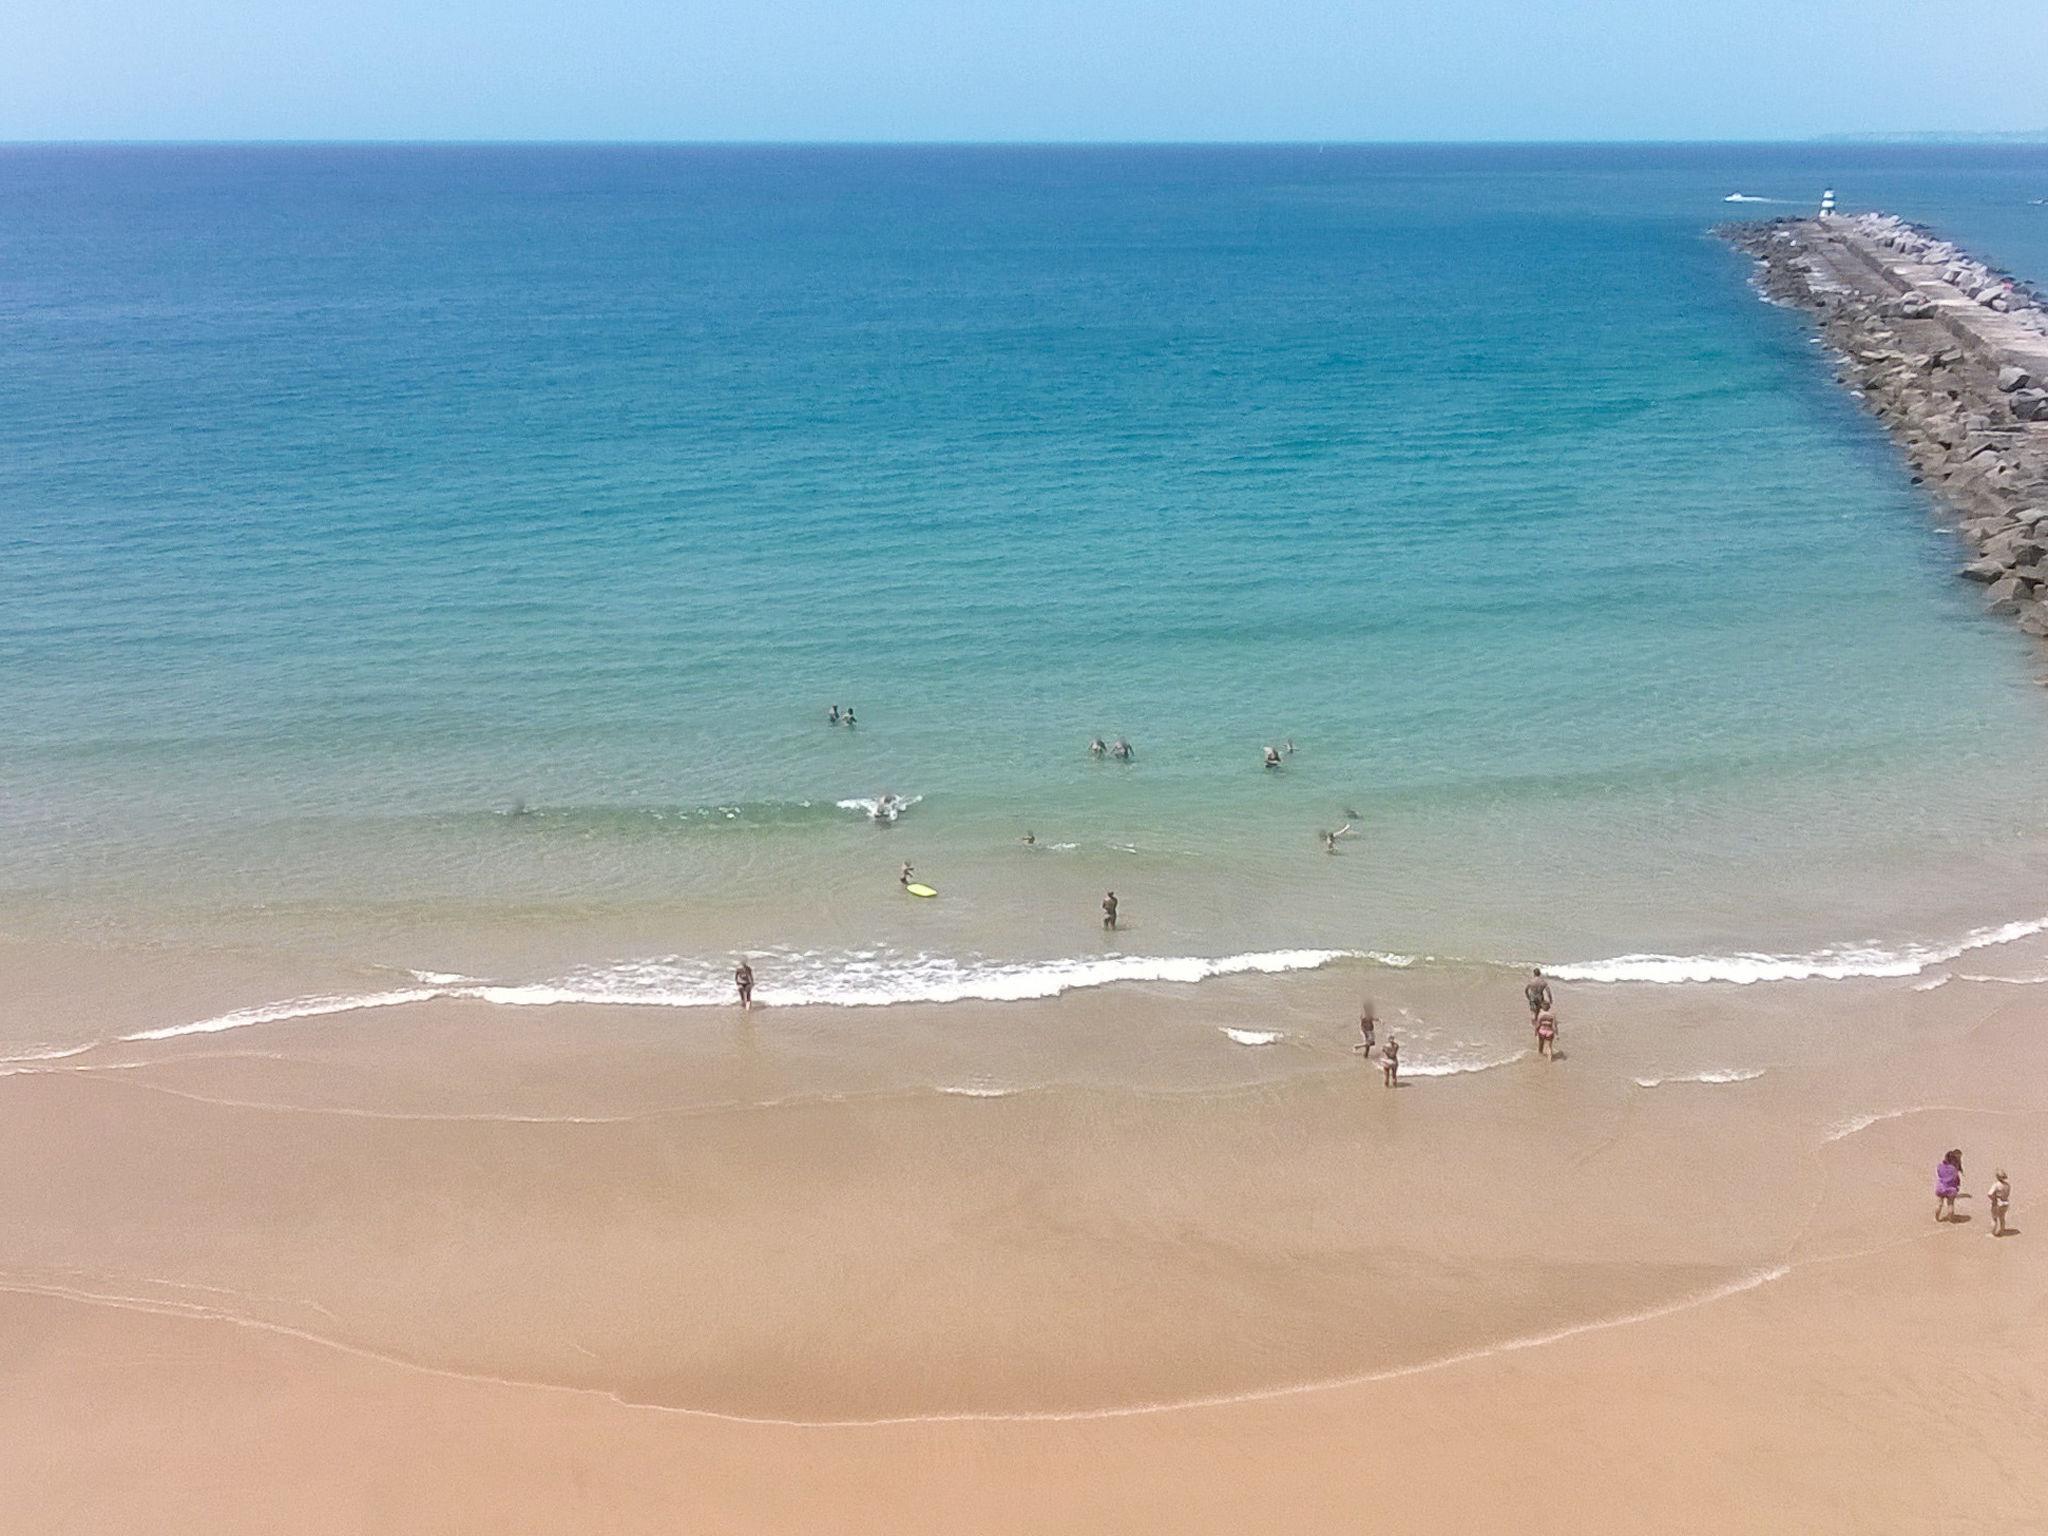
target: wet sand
450 1267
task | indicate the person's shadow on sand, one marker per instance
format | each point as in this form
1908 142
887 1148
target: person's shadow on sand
1961 1219
2008 1232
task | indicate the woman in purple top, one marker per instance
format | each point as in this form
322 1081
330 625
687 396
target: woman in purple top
1948 1183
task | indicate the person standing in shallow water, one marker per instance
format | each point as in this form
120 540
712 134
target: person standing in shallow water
1948 1184
1390 1063
1538 994
1109 910
1367 1021
743 978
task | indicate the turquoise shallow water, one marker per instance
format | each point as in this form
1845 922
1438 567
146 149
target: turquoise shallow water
350 497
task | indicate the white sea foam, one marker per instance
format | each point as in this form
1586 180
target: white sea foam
1253 1036
294 1008
35 1058
875 809
1744 197
1722 1075
1456 1066
864 980
976 1090
1837 963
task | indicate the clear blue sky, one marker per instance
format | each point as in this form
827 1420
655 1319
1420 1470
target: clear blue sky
1014 69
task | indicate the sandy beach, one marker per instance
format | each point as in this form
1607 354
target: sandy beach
444 1267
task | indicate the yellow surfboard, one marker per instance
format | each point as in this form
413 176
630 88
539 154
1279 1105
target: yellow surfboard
920 890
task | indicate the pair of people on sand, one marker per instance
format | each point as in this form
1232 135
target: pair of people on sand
1948 1188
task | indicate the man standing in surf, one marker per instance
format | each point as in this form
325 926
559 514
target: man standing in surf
1109 910
1538 994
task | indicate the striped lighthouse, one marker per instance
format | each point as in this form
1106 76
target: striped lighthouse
1827 202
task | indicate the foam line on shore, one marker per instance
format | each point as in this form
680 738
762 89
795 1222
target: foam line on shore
1722 1075
1835 963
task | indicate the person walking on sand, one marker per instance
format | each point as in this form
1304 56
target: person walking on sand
1109 910
2001 1202
1390 1063
1538 994
743 978
1948 1185
1546 1034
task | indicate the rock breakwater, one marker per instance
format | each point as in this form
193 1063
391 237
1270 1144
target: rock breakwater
1952 356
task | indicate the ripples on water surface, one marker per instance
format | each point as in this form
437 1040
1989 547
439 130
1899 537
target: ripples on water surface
355 497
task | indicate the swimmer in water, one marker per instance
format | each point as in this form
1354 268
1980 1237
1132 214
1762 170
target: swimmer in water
832 715
1351 816
1287 747
1029 839
1098 748
1272 757
1122 751
1330 838
1109 910
849 716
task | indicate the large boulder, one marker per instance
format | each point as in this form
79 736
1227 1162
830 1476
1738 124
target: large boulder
1982 570
2007 595
2011 377
2034 620
2030 404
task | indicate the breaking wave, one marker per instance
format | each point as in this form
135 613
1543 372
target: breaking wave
860 980
1837 963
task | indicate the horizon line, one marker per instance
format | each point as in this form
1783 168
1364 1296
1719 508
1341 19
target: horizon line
2021 138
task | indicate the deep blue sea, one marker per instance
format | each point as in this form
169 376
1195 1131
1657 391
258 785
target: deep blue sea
414 553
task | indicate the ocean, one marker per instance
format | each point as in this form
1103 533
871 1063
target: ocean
444 559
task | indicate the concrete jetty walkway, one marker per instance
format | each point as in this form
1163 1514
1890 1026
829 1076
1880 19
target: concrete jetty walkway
1952 355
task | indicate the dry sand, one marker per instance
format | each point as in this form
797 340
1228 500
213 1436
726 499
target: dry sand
450 1268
